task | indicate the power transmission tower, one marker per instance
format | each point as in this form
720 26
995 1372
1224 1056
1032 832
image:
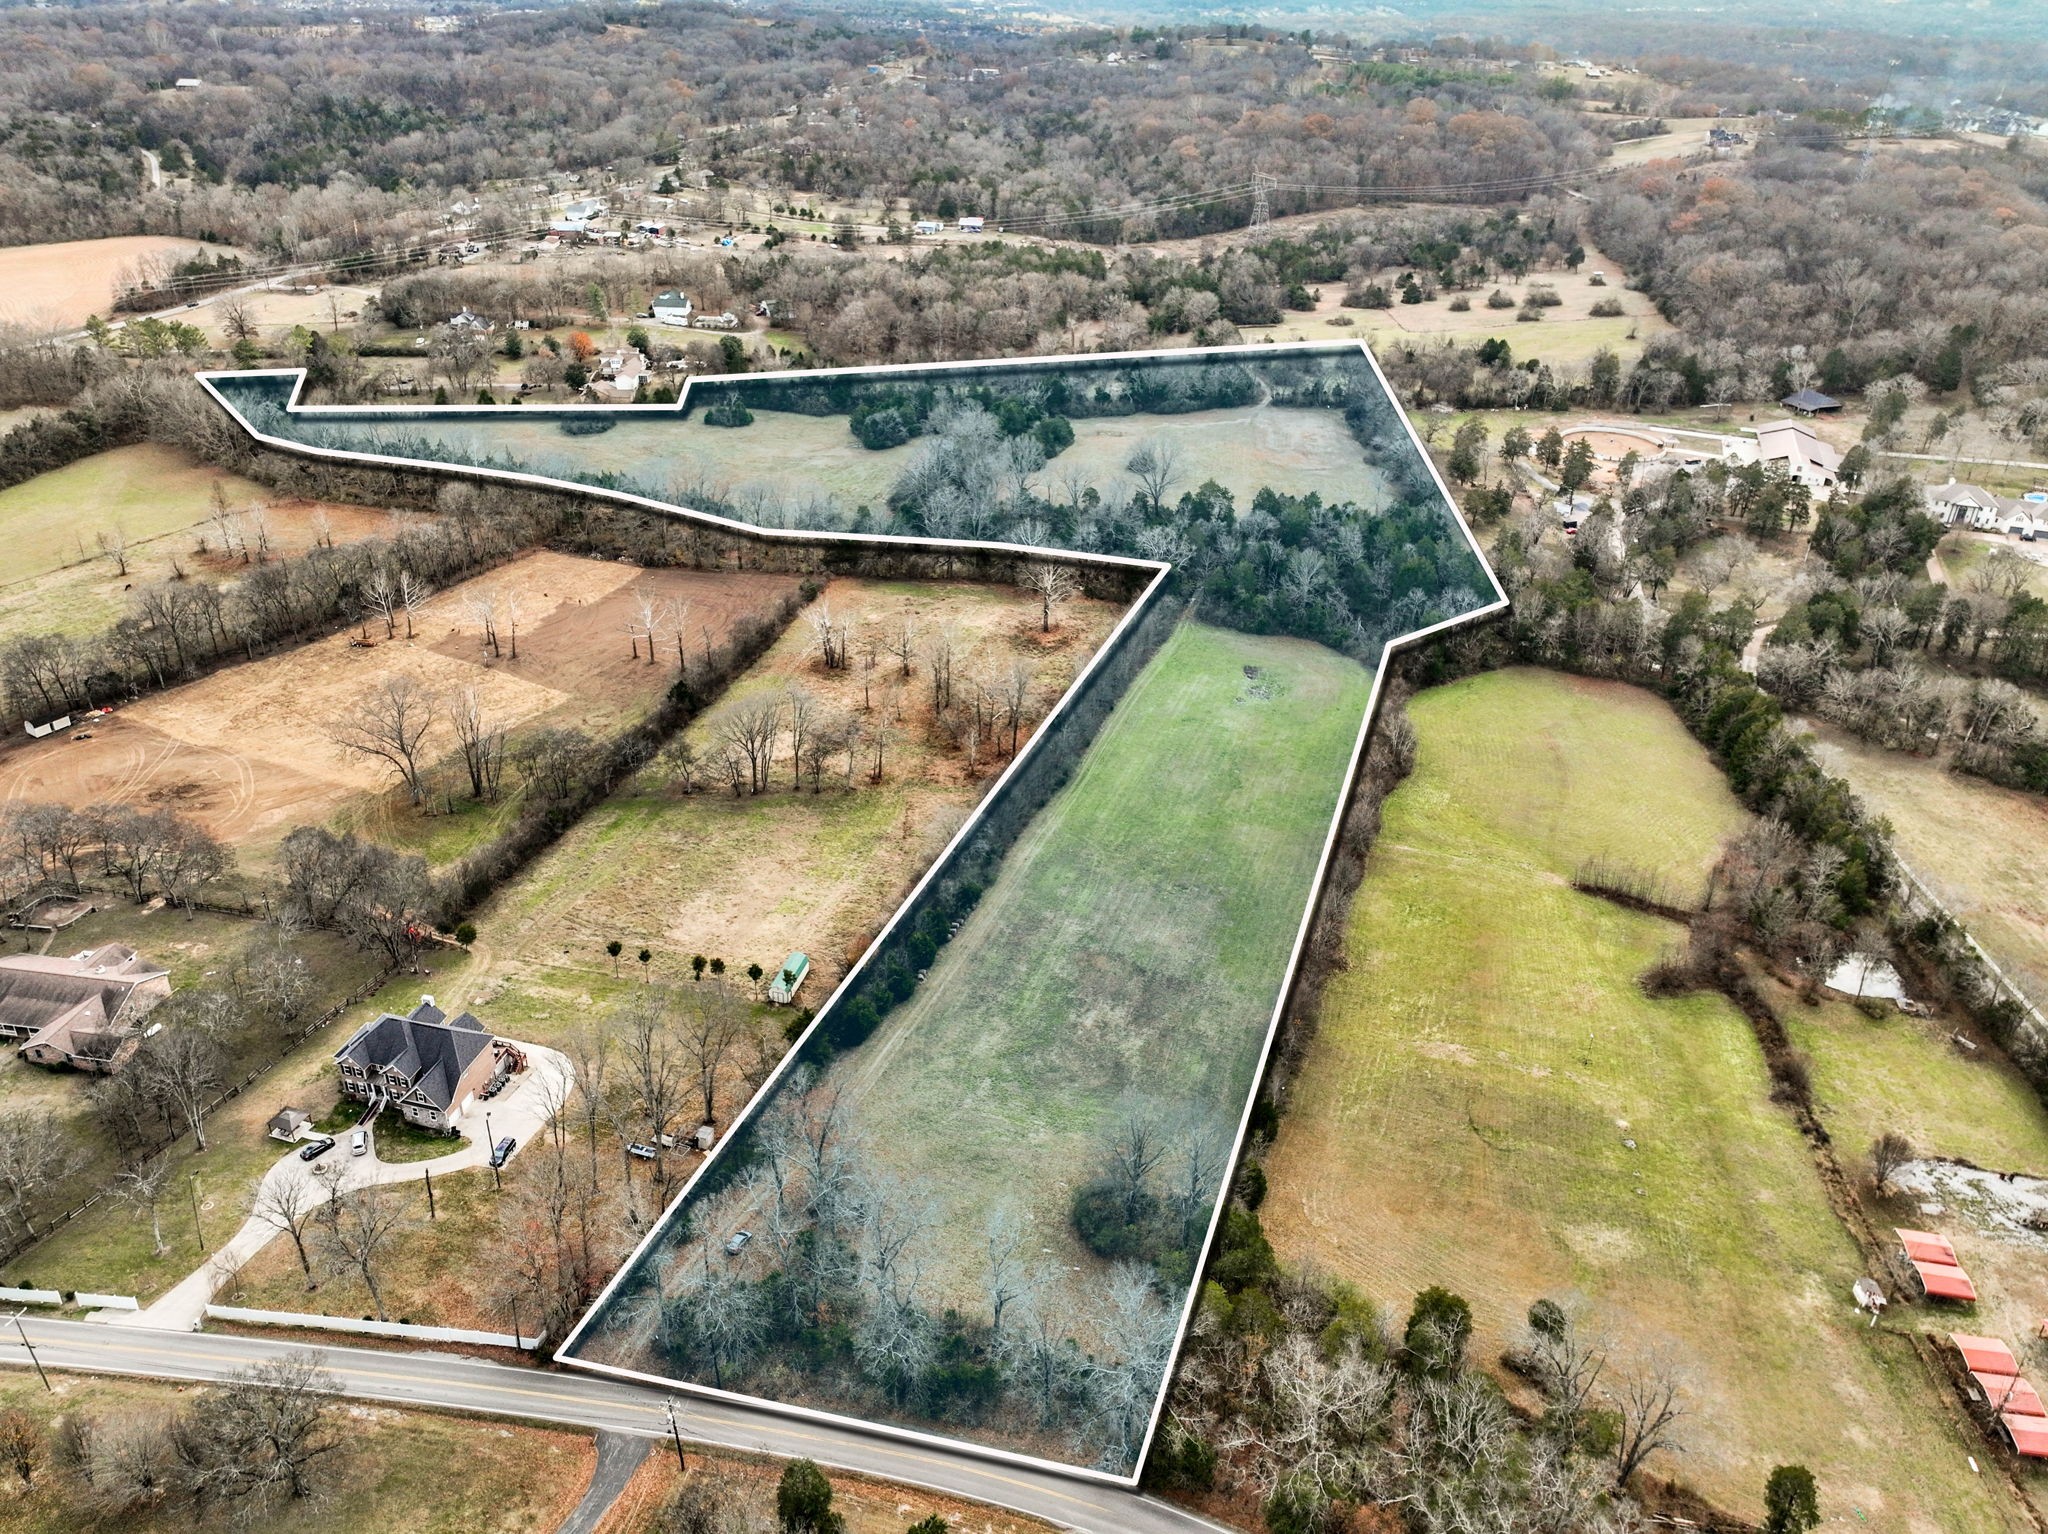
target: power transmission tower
1262 206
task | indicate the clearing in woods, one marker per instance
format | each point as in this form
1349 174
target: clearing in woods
161 501
752 878
1492 1104
1977 845
1244 450
247 752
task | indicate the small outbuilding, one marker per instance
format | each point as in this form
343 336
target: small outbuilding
789 979
1810 402
286 1123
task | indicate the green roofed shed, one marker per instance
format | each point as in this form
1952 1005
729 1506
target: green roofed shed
789 979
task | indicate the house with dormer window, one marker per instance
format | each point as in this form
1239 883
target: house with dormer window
432 1068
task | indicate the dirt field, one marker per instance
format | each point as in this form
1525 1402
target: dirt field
161 500
1978 845
750 879
247 751
54 287
1492 1104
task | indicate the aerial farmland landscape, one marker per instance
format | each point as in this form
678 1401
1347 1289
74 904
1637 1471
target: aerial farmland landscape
773 769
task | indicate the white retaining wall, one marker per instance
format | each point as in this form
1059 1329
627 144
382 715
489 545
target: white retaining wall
368 1328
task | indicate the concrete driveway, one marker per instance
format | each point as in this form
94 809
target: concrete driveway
521 1111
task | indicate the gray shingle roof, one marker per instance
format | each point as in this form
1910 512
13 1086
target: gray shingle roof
425 1049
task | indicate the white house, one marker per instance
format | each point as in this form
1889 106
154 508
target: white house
926 226
584 209
970 225
1800 453
672 308
1959 505
2025 518
468 319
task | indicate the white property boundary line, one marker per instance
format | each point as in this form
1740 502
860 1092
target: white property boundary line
1138 608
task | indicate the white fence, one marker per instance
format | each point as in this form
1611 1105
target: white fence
31 1296
86 1301
1919 896
369 1328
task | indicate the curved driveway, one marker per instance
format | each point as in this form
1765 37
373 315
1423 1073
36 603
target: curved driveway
522 1110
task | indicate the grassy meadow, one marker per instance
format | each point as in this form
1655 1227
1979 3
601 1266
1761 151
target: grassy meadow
1492 1104
1135 937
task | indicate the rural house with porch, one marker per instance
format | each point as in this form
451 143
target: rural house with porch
430 1067
82 1011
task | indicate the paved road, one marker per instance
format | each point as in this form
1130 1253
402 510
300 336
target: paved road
581 1400
522 1111
618 1456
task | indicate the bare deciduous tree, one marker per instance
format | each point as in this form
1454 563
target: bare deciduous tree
287 1203
481 745
1888 1152
141 1187
362 1223
1648 1408
1055 586
113 543
1156 465
391 726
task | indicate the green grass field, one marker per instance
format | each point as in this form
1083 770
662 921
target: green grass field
1976 844
1244 450
146 491
1465 1114
1135 937
1902 1073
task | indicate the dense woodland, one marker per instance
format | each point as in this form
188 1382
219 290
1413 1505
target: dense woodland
315 132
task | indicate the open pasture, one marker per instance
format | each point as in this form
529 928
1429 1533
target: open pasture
1134 939
248 751
1244 450
58 286
160 503
1492 1104
751 878
1570 332
1976 844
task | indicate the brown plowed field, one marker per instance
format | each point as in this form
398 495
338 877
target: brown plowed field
247 751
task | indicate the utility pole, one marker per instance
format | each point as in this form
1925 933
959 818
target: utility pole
1262 205
53 1389
490 1140
429 1176
198 1232
670 1410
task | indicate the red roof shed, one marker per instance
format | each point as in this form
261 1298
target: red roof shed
1926 1246
2011 1396
2029 1435
1985 1355
1945 1281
